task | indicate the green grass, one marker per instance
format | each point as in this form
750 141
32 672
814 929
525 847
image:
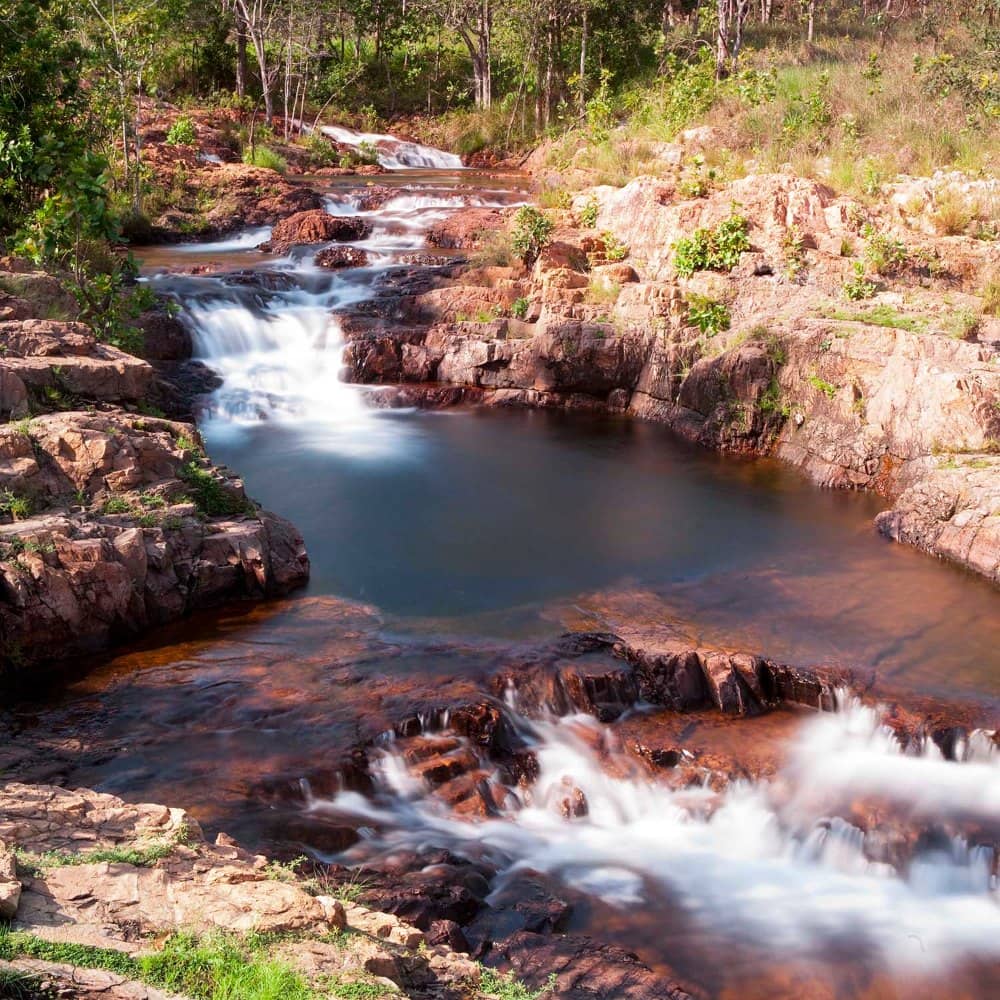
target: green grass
211 967
827 388
21 986
880 316
506 987
262 156
139 857
211 495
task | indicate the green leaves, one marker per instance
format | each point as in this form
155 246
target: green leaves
531 234
716 249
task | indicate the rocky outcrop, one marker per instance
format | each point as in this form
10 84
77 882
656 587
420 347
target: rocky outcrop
315 227
889 394
97 872
110 521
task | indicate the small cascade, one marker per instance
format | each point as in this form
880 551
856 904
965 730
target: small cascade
393 153
784 864
274 334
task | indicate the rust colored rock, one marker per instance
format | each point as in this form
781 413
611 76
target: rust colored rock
164 337
465 229
315 227
447 932
10 884
335 258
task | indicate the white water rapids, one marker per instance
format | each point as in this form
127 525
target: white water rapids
393 153
277 343
770 864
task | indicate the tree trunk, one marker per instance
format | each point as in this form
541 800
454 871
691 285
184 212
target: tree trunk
241 58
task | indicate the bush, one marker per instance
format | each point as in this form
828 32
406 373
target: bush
709 315
991 297
884 254
532 233
716 249
268 159
588 214
858 286
182 133
519 308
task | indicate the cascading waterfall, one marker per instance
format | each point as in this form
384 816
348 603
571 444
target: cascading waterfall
277 341
769 864
393 153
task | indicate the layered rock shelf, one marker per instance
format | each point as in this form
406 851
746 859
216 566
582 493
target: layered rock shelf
899 393
112 519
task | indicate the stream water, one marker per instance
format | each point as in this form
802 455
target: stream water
439 540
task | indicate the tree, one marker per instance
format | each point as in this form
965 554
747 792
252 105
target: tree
43 110
254 21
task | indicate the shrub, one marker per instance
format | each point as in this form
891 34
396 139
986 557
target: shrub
532 233
182 133
827 388
709 315
268 159
991 297
322 152
519 308
716 249
885 255
858 286
614 249
211 495
588 214
16 507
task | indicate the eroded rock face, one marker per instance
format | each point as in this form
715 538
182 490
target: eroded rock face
113 521
315 227
878 395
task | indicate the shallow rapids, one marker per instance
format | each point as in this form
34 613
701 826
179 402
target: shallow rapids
773 865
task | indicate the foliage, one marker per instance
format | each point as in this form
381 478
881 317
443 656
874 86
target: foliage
716 249
882 315
506 987
519 308
709 315
614 249
182 133
589 213
266 158
211 494
885 254
14 506
990 293
858 286
827 388
532 232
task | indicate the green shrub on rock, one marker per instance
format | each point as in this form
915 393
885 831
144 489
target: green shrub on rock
532 233
182 133
716 249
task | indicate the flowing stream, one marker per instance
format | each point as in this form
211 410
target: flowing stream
464 531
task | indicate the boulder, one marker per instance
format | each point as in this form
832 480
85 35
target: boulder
10 885
315 227
335 258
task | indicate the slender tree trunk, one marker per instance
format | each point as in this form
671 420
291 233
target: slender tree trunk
241 57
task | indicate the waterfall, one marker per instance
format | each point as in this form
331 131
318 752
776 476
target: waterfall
393 153
771 864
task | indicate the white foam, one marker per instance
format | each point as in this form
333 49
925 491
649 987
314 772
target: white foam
740 863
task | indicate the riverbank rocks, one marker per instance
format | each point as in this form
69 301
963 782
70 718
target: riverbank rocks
153 874
466 229
872 394
10 885
335 258
315 227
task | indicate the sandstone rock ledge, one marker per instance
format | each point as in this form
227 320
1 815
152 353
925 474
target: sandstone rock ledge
898 392
111 520
96 872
